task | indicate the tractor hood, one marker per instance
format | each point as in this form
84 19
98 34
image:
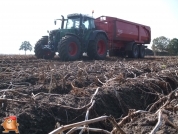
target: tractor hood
53 31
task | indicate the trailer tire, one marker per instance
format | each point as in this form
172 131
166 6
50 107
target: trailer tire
69 48
135 52
141 51
97 49
38 47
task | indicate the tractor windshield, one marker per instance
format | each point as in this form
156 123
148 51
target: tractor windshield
73 22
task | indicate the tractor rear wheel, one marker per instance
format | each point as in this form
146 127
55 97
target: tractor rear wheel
69 48
141 51
135 51
39 52
97 49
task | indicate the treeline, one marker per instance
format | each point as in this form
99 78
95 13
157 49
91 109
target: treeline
164 46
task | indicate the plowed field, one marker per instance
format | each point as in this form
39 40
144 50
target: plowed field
117 95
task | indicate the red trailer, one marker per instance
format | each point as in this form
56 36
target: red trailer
125 37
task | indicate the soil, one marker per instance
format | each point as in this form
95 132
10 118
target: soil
42 93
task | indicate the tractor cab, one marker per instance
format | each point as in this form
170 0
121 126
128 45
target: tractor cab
79 21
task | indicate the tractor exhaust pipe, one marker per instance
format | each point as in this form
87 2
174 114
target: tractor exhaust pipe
62 24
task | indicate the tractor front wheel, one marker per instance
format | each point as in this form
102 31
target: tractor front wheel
40 52
69 48
39 45
97 49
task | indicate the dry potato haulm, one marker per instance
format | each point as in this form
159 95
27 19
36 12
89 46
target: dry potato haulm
116 95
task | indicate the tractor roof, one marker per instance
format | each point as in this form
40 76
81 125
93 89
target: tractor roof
78 14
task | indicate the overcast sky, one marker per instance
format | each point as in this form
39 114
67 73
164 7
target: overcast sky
28 20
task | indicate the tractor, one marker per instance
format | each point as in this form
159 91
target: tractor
78 36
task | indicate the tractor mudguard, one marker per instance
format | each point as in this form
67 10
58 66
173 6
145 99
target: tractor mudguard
45 36
71 34
94 34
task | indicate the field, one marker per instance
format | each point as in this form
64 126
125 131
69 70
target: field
118 95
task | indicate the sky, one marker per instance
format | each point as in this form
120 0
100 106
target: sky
28 20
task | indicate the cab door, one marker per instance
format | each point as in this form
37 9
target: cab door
87 27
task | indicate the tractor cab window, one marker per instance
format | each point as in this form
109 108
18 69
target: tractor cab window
88 23
85 23
73 23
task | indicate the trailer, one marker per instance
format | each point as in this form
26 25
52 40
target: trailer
124 37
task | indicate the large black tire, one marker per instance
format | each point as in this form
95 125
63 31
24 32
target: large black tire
39 52
141 51
69 48
38 46
97 49
134 52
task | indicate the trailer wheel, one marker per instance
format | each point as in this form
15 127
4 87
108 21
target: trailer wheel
69 48
135 52
38 47
141 51
97 49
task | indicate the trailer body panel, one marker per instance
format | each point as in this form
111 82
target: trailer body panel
120 32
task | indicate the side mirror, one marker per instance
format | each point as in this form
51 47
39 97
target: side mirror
55 22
